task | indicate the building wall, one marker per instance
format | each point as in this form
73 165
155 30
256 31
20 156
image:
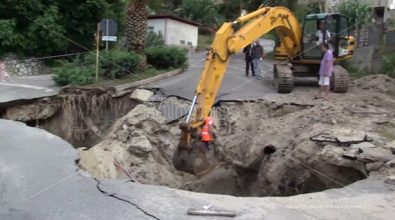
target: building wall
157 26
391 4
175 32
181 34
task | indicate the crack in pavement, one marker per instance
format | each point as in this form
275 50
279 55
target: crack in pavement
114 195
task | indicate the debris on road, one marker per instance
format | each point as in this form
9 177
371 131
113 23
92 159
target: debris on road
141 95
208 210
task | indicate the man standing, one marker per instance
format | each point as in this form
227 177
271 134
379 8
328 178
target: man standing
322 35
248 58
326 69
257 54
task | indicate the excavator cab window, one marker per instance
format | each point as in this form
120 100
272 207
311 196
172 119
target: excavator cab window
309 40
342 37
336 24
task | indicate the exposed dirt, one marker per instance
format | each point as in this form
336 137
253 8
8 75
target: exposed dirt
81 116
283 145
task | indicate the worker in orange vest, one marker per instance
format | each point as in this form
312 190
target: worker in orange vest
207 132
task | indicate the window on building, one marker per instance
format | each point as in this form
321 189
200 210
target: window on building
189 43
150 28
182 42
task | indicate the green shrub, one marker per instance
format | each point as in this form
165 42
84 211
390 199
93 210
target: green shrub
166 57
154 40
117 64
81 71
74 73
389 65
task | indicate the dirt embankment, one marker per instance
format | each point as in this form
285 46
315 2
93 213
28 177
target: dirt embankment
283 145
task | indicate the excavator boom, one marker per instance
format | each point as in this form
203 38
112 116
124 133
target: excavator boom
233 37
228 41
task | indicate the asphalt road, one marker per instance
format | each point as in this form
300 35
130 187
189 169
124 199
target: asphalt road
235 86
26 88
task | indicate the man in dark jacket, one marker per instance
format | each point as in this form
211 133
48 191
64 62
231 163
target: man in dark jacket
248 58
257 55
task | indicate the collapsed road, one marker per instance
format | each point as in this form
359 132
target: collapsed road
40 180
333 159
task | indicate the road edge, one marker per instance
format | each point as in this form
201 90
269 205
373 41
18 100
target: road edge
123 89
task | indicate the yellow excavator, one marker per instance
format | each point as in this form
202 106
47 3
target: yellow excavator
297 48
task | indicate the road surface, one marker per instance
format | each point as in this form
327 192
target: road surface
235 86
26 88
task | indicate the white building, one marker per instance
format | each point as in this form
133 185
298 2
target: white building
175 31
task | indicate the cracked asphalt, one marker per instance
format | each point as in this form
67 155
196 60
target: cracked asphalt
27 88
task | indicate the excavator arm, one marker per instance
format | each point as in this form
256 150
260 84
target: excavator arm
228 40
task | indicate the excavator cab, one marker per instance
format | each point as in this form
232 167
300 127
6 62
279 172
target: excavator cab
340 41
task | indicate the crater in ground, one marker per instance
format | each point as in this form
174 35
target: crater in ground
275 147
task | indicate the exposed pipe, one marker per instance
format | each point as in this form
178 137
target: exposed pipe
191 109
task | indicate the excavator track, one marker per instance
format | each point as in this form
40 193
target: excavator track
283 78
340 79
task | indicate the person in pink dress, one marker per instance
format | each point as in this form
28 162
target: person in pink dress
326 69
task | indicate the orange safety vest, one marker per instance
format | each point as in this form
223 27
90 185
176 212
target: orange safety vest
208 122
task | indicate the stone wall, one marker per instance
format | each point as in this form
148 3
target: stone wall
370 36
390 41
24 67
363 57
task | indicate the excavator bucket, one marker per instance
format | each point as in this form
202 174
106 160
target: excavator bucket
190 155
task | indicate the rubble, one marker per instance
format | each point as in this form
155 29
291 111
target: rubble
141 95
391 146
36 111
341 136
370 155
390 180
141 141
139 146
314 147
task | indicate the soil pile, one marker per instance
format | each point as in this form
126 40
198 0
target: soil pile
141 143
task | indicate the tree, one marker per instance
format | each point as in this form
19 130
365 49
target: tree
165 7
359 13
45 27
254 4
231 9
202 11
136 29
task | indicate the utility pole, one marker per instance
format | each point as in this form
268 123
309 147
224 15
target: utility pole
97 51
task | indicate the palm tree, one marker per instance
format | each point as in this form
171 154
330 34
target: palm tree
202 11
136 28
